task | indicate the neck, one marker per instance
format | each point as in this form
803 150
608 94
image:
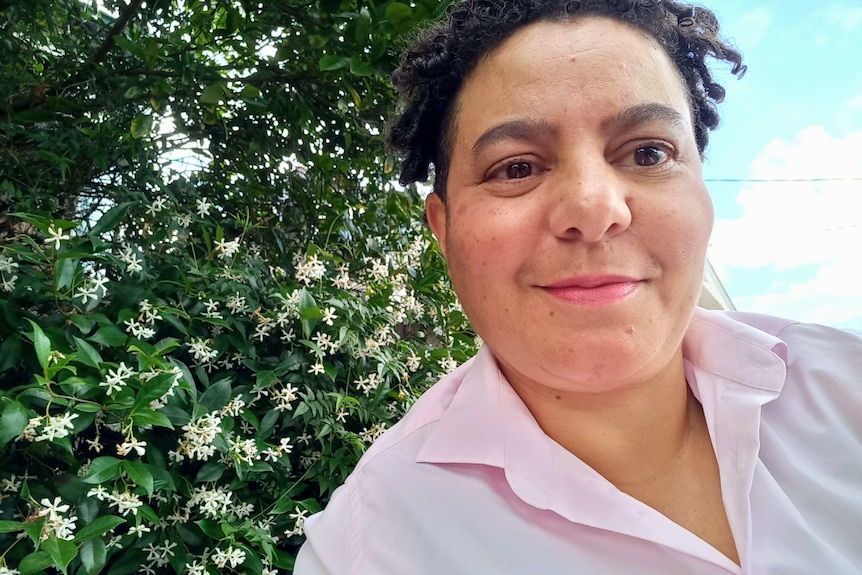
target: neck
633 436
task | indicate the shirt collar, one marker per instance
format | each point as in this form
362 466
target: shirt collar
733 369
477 425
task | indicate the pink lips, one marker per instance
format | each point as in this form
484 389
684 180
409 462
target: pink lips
593 290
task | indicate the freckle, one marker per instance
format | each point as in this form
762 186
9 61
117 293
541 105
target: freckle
551 314
559 397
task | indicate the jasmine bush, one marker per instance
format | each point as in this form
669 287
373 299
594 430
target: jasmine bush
212 297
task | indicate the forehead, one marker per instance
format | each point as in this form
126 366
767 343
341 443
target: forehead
557 67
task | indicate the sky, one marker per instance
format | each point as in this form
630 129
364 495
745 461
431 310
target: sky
792 249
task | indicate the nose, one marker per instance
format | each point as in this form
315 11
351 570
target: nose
590 204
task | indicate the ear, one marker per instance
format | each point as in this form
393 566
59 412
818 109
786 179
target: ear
435 211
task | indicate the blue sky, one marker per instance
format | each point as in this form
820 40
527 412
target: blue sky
792 249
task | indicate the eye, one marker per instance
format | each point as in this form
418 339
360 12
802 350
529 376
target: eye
519 170
512 170
650 156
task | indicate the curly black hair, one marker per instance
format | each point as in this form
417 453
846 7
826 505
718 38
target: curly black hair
435 67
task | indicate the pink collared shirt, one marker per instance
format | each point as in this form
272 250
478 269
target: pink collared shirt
467 482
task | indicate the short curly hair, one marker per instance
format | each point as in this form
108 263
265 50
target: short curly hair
434 69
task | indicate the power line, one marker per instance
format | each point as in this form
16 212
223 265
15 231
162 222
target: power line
769 181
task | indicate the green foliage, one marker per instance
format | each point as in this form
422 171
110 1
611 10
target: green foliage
213 295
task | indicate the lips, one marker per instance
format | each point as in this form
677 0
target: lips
593 290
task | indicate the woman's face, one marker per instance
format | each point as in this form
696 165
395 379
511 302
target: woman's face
577 220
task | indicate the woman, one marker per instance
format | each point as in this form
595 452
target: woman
606 426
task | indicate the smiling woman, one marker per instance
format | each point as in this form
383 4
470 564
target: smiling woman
607 425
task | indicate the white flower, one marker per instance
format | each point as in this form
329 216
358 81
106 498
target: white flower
284 445
98 283
125 502
55 236
202 352
8 284
158 205
299 516
8 571
57 427
10 485
236 304
310 271
448 364
284 397
99 492
116 380
50 508
329 315
317 369
231 556
139 530
131 259
413 361
127 446
225 249
203 207
7 265
196 568
138 329
184 220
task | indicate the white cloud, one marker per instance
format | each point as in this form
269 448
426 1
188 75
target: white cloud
849 18
752 26
832 297
786 225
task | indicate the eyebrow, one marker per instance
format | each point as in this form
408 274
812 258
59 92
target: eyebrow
520 129
640 114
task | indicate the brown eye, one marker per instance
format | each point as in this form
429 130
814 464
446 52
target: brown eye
519 170
650 156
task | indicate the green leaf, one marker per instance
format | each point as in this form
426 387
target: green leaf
35 562
250 92
41 343
359 67
399 14
150 417
133 92
61 551
153 389
93 556
34 529
210 528
12 422
216 396
162 479
214 93
141 126
363 27
111 219
332 62
103 469
66 269
87 354
109 336
10 526
140 475
10 352
212 471
98 526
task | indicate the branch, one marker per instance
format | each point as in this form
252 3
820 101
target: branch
118 26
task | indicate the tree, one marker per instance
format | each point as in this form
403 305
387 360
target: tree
215 295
